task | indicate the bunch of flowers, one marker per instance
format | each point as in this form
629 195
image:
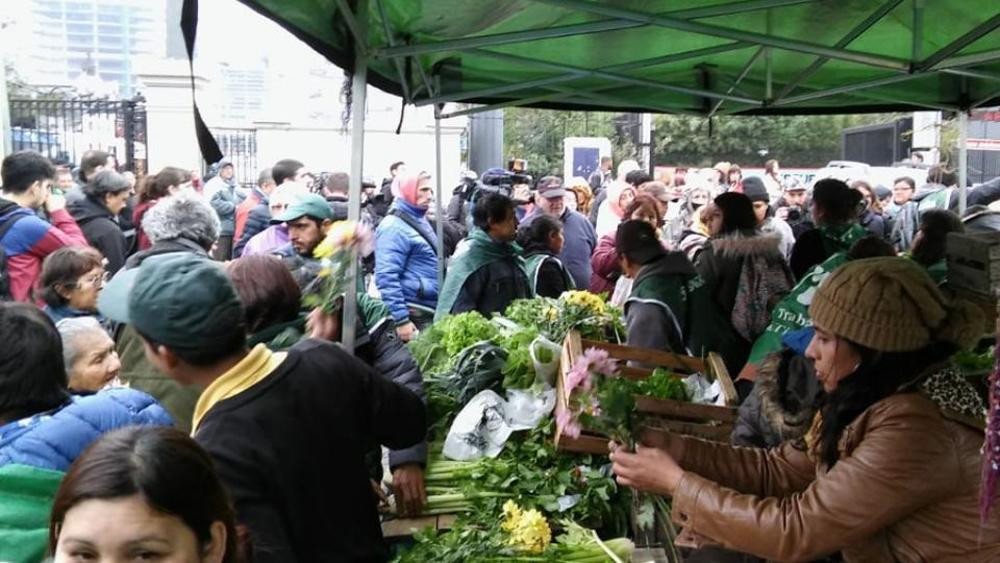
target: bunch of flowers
529 530
344 243
598 398
585 300
580 310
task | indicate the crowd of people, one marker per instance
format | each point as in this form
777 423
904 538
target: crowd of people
137 314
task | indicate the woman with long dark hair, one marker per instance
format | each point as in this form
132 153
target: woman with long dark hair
889 470
148 493
736 252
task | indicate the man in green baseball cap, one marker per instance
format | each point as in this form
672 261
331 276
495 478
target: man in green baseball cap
308 219
288 431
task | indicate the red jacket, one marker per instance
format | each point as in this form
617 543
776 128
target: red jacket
30 240
243 211
137 215
605 268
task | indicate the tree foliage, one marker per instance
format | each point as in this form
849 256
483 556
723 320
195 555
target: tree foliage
797 141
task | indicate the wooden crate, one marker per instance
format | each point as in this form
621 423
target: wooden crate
403 527
703 421
974 262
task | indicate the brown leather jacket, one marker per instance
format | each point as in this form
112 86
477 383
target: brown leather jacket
905 489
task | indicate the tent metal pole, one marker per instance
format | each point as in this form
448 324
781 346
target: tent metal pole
851 35
769 86
963 162
403 82
353 25
968 60
491 107
575 29
918 30
734 34
577 72
486 92
972 74
739 78
884 81
962 42
986 100
438 195
359 89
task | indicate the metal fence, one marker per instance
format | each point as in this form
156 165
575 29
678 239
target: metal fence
240 146
63 130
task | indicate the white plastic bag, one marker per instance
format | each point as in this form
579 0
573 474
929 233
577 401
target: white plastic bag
483 426
545 372
527 407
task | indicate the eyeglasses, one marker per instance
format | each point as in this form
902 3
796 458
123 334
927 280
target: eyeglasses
92 281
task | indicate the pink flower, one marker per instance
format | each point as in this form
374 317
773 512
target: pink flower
566 424
600 362
576 376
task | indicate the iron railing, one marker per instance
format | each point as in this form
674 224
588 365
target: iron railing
63 130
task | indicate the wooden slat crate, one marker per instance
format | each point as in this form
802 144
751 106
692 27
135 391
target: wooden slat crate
401 527
703 421
974 262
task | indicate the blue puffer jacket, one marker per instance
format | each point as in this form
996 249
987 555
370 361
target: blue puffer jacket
53 439
405 263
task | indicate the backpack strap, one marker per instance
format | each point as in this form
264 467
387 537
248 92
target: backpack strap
8 222
416 227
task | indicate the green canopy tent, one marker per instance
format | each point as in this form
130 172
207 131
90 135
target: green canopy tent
696 57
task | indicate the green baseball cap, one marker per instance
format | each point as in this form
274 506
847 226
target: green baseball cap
305 205
181 300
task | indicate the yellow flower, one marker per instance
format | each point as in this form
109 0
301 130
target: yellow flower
584 299
529 530
551 314
339 235
533 533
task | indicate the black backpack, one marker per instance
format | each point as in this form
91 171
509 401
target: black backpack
5 226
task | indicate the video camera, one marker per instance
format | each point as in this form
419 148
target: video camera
498 180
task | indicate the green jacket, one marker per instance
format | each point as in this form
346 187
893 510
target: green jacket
482 251
178 400
26 495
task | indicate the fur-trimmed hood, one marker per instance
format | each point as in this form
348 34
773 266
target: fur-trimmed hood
742 245
788 389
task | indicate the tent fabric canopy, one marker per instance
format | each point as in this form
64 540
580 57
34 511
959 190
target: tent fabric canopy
700 57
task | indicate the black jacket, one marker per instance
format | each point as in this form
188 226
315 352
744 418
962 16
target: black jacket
258 219
291 450
551 277
492 288
102 231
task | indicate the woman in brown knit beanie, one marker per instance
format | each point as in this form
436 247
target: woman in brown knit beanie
890 470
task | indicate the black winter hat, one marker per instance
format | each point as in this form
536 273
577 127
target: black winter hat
753 188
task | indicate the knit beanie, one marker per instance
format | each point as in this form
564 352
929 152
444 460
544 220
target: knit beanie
892 305
753 188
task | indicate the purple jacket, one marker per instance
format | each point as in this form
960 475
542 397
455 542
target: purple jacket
267 241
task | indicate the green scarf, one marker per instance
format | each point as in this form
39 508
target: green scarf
26 495
840 238
482 251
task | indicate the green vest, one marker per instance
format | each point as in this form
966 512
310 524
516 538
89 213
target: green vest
482 251
534 263
26 495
